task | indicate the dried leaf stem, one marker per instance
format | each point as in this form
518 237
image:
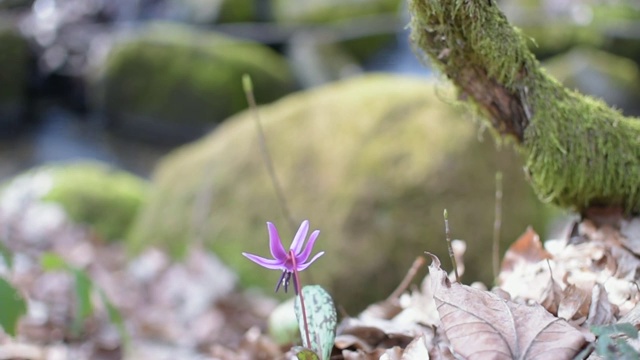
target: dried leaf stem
497 226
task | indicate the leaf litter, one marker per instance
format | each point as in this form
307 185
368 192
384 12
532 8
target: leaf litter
547 300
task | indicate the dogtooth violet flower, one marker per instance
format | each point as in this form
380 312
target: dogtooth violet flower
290 261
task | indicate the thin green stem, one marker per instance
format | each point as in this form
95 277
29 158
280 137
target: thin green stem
299 292
264 150
451 254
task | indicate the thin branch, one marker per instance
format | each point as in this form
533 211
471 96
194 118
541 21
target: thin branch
417 264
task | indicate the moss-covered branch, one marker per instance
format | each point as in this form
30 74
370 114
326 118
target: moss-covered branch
579 152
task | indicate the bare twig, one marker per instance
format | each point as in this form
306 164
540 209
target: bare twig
451 255
497 225
248 89
417 264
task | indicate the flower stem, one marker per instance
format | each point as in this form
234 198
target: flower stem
298 289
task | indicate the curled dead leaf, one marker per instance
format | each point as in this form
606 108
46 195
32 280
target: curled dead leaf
481 325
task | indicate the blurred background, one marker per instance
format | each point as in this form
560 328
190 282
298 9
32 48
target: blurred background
144 90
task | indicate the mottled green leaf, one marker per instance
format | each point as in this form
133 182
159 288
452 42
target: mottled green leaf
303 353
321 319
624 328
12 307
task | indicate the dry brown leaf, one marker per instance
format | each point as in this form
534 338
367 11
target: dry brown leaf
417 349
527 249
481 325
552 296
601 312
574 304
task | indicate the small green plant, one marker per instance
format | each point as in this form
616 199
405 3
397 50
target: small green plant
612 343
83 289
12 307
12 304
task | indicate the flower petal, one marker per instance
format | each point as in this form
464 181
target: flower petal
306 265
267 263
298 240
275 244
302 257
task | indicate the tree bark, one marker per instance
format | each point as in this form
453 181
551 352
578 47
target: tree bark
579 152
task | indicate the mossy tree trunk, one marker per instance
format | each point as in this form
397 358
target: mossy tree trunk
579 152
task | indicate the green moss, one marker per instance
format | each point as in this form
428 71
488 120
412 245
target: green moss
91 193
371 162
175 74
579 152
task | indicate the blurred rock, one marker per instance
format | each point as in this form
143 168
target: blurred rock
612 78
14 55
14 4
88 193
371 162
169 83
316 61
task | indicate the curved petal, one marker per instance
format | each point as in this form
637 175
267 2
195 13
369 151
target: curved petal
275 244
267 263
306 265
298 240
302 257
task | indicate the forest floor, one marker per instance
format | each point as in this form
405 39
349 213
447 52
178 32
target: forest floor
90 300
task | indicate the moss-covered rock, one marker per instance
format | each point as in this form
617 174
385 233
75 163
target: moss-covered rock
371 162
181 79
339 13
208 11
238 11
322 12
90 193
558 27
14 55
612 78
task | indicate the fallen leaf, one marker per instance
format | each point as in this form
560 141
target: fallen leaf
527 249
481 325
574 304
601 312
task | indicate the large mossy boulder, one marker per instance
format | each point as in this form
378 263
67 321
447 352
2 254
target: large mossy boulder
14 67
167 80
336 15
614 79
557 26
372 162
90 193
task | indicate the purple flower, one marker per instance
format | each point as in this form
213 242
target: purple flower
290 261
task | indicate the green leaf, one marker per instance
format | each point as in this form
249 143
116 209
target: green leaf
116 318
6 254
12 307
321 319
52 262
84 309
303 353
